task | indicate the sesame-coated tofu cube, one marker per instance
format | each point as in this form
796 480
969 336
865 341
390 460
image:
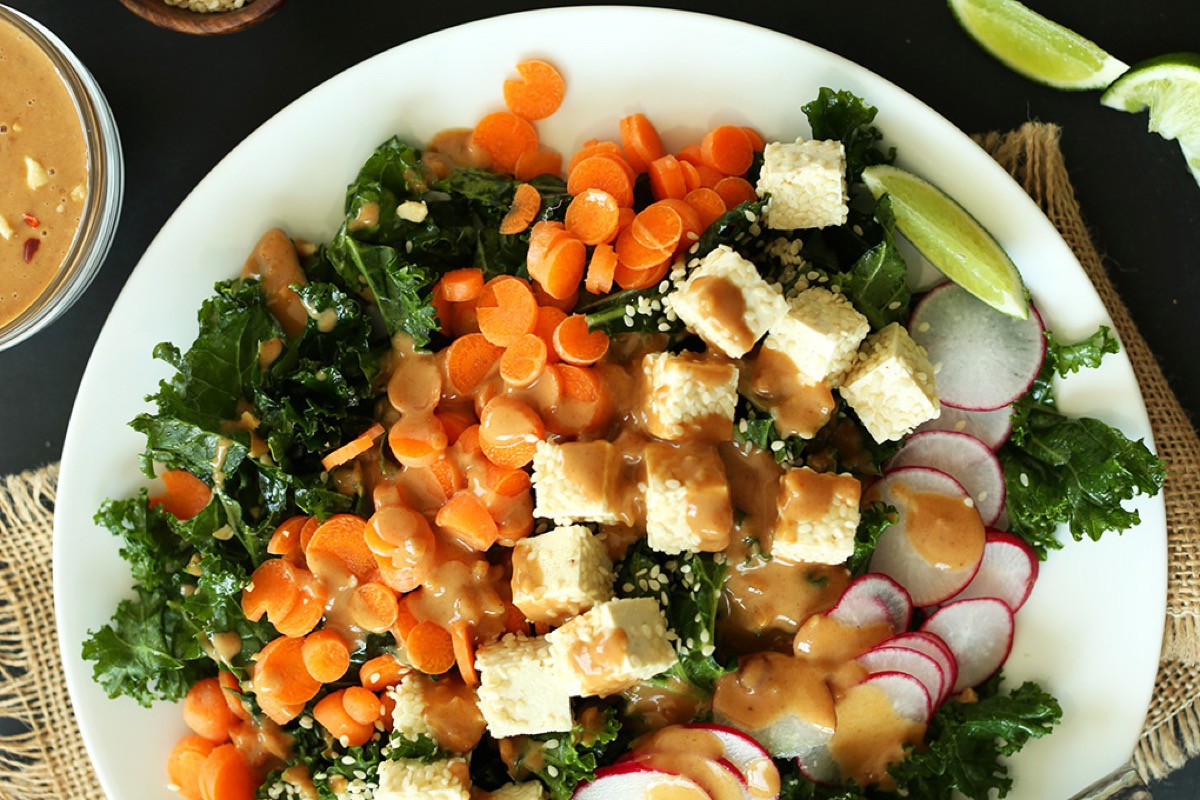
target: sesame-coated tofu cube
821 333
529 790
612 647
559 574
806 182
891 385
688 508
421 704
727 303
689 396
414 779
521 691
408 713
818 516
577 482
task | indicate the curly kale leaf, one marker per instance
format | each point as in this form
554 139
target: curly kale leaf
874 520
1065 359
877 283
757 427
844 116
562 761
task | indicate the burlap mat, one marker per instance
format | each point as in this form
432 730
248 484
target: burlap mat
47 760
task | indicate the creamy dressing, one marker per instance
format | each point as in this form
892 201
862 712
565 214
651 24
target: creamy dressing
773 383
946 531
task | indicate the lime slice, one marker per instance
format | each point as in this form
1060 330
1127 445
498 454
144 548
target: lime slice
953 241
1170 87
1036 47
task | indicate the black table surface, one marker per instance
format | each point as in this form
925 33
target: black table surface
183 102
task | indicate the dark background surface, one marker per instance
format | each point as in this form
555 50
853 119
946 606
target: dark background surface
182 103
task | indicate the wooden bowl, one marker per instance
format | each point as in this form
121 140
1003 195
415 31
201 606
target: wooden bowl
176 18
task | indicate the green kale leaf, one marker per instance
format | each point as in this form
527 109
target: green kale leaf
1067 358
874 520
844 116
757 427
564 760
877 283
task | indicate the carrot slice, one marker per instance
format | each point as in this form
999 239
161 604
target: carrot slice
443 309
381 672
206 712
666 178
232 689
757 142
727 149
595 147
600 269
506 310
405 620
280 672
308 609
690 219
463 640
185 762
657 227
373 607
635 255
285 541
430 648
544 300
460 285
352 449
575 344
691 176
509 431
526 204
628 278
538 93
326 655
641 141
507 482
735 191
184 494
562 269
225 776
592 216
307 531
532 163
691 154
504 136
417 440
338 549
362 705
273 590
403 545
468 520
523 361
602 172
462 318
469 359
547 321
707 204
330 713
277 712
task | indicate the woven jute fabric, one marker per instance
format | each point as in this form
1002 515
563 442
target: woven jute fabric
46 760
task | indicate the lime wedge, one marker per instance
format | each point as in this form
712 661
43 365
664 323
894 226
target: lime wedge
1170 87
953 241
1036 47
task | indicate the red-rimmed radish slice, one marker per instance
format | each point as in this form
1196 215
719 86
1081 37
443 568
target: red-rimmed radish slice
1007 572
932 646
910 699
748 756
860 602
633 781
936 545
717 778
990 427
982 359
819 766
964 458
979 632
888 658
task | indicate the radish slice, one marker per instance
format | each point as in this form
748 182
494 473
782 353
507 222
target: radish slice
964 458
990 427
983 359
979 632
932 646
859 603
632 781
750 758
819 767
909 697
1007 572
919 552
889 658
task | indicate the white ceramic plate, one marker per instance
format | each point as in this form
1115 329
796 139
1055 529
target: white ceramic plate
1091 631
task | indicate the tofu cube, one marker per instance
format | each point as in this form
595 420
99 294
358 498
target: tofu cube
689 396
821 333
818 516
408 714
559 574
727 303
891 385
529 790
612 647
806 182
577 482
688 508
413 779
521 691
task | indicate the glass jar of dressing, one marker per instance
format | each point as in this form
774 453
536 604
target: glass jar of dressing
61 177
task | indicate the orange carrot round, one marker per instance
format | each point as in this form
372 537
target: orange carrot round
443 309
381 672
185 762
635 255
592 216
509 431
273 590
225 776
562 268
362 705
691 154
326 655
526 204
330 713
576 345
757 142
338 549
507 482
285 541
547 321
600 269
402 540
469 359
373 607
463 640
206 712
690 219
628 278
430 648
538 93
184 494
641 141
595 147
658 227
506 310
602 172
352 449
232 690
727 149
309 608
417 440
532 163
523 361
280 673
735 191
505 137
707 204
666 178
460 285
468 520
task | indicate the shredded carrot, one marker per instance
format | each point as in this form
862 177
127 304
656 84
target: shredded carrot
523 361
506 310
308 609
641 141
532 163
417 440
338 549
273 590
657 227
280 672
707 204
430 648
206 712
225 776
727 149
600 269
382 671
463 640
609 173
362 705
562 269
326 655
469 359
355 447
592 216
526 204
666 178
509 431
636 256
330 713
285 541
628 278
234 697
185 762
547 321
184 494
577 345
373 607
467 519
460 285
505 137
735 191
538 93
